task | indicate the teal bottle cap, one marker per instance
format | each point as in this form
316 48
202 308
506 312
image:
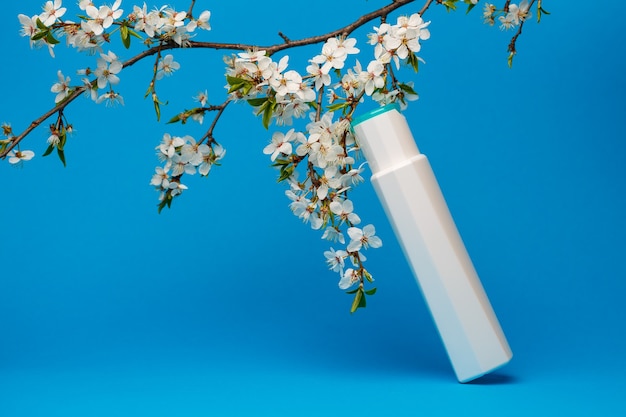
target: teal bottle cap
366 116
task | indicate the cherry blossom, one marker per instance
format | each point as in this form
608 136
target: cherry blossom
363 238
17 157
51 12
108 68
62 88
167 66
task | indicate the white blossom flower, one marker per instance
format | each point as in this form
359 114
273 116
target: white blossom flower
167 66
353 177
349 278
520 13
488 11
333 234
17 157
176 188
108 68
91 90
168 145
373 77
280 143
62 88
332 57
335 259
111 98
507 22
82 4
345 211
202 97
161 178
201 22
363 238
29 25
52 11
320 77
327 181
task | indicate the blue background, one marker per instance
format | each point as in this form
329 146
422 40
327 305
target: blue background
224 306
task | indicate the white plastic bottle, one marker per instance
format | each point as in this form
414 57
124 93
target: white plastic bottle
414 204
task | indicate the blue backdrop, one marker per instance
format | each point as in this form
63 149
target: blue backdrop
224 305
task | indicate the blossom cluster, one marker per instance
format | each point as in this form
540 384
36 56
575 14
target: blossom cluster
510 18
325 152
318 160
182 155
90 33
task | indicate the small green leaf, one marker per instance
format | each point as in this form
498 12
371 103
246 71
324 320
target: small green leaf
285 173
40 35
257 102
337 106
413 60
510 59
268 111
135 34
450 4
125 36
49 150
40 24
51 39
61 154
470 7
407 89
352 291
371 291
174 119
359 300
157 109
540 11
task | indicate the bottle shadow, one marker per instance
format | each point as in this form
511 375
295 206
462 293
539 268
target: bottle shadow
493 379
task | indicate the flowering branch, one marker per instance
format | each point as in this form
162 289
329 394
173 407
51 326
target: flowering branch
317 160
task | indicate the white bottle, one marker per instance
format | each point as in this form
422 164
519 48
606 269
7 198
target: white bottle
417 211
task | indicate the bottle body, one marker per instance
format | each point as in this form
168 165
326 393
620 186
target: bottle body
418 213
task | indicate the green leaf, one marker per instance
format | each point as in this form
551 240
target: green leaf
371 291
125 36
541 10
257 102
450 4
470 7
174 119
40 24
40 35
413 61
237 83
359 300
49 150
337 106
135 34
285 172
166 202
280 162
510 59
61 154
157 109
352 291
268 111
407 89
51 39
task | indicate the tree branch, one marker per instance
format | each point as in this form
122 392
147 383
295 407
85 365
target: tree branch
271 49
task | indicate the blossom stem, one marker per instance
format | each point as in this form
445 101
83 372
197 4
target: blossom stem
220 110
